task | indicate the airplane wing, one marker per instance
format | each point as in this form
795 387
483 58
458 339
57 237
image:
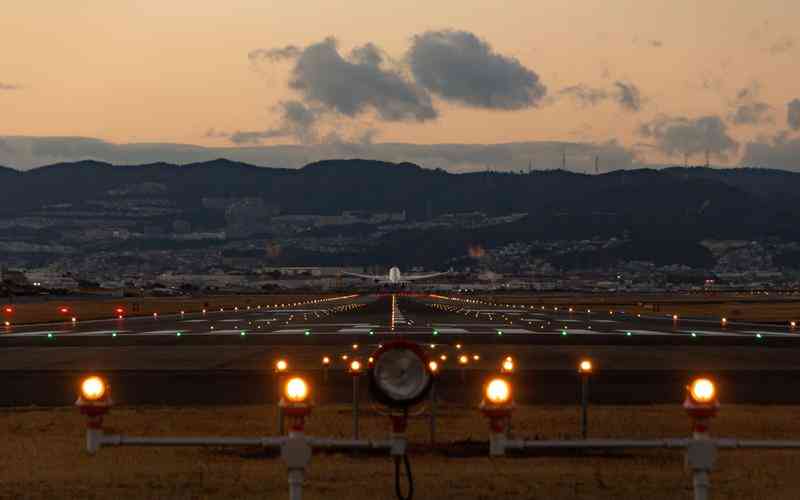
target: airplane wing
414 277
366 276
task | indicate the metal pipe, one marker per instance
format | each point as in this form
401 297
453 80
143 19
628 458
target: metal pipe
584 405
355 406
278 395
296 484
120 440
597 444
701 484
362 444
729 443
432 413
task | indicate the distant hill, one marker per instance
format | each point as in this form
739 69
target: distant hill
674 204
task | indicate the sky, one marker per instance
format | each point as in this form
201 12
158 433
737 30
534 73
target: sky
462 85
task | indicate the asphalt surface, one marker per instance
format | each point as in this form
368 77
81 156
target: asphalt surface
227 356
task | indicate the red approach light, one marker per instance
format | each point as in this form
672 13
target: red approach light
63 310
119 310
8 310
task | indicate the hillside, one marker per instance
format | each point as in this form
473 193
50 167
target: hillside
676 205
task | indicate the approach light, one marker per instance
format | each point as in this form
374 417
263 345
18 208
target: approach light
63 310
674 317
458 346
507 366
433 366
281 366
326 360
355 347
400 375
296 390
8 310
724 321
702 391
476 357
585 367
93 388
793 324
443 357
463 359
498 391
7 323
355 366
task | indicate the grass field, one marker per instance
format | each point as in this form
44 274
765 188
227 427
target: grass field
50 311
734 307
43 456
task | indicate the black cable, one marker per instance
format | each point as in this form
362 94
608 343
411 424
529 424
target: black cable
397 488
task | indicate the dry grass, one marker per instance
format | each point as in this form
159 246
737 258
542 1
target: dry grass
47 312
43 457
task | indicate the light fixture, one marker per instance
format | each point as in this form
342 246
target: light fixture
400 375
93 388
585 367
296 390
498 392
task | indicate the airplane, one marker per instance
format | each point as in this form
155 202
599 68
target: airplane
395 277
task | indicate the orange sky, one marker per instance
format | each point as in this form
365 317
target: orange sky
156 71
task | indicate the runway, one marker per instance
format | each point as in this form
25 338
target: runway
176 359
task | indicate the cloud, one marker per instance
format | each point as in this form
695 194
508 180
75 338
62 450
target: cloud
297 121
754 113
793 114
276 54
8 86
27 152
462 68
784 44
688 136
656 43
747 109
585 95
778 152
628 96
357 84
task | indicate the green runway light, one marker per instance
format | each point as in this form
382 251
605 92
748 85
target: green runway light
563 333
178 334
758 336
50 335
436 332
307 332
694 334
371 332
243 333
114 334
499 332
628 334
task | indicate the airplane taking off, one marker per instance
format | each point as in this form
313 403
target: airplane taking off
395 277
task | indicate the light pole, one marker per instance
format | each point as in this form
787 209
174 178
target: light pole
585 369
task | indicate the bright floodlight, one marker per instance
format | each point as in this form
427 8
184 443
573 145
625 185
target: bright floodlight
296 390
93 388
281 366
585 366
498 391
702 390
